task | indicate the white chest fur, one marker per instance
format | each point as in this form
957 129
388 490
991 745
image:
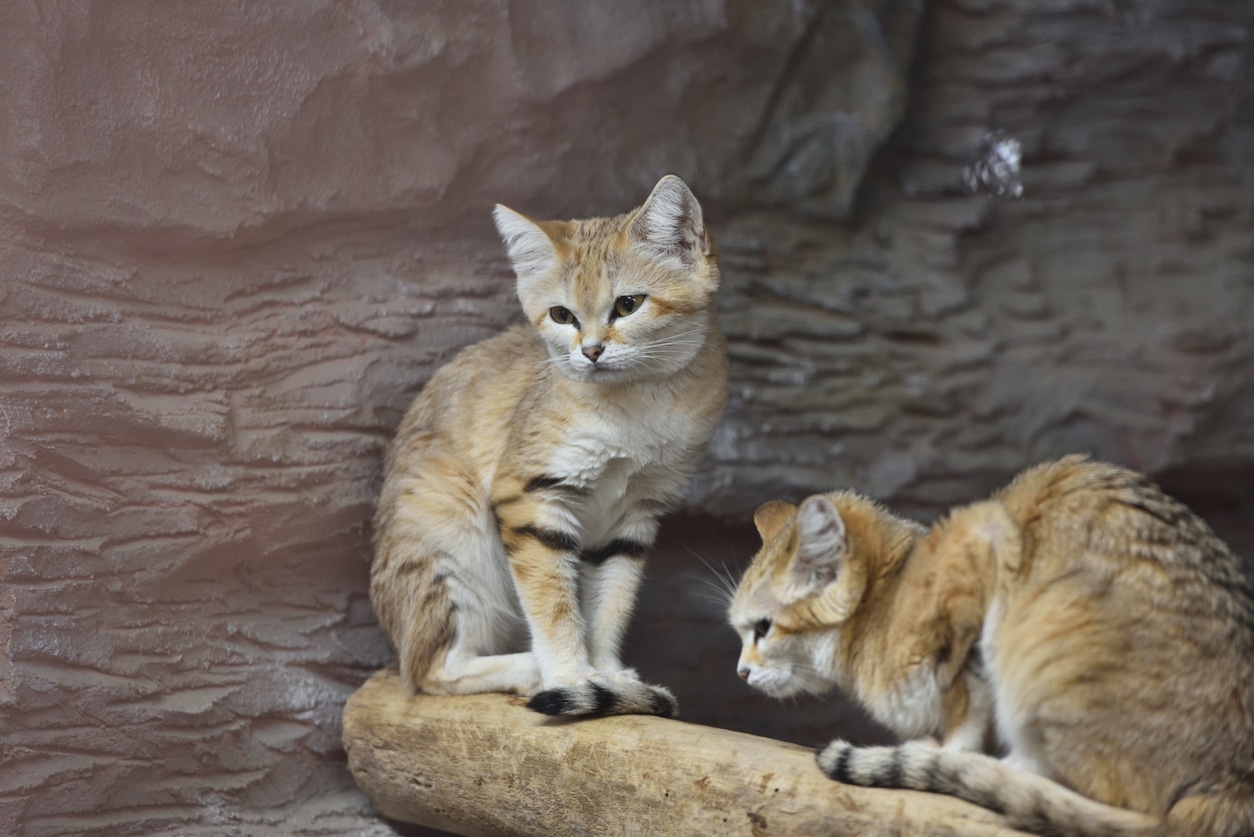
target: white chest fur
913 709
619 458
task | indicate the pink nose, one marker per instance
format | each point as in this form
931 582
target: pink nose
743 671
593 352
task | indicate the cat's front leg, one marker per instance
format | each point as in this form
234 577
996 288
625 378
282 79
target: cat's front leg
544 557
544 560
610 580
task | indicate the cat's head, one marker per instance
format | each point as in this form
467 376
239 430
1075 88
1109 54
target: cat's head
618 299
806 582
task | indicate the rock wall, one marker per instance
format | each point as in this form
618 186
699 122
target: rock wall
236 238
945 339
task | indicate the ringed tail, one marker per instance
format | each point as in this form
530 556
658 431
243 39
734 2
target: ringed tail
1027 801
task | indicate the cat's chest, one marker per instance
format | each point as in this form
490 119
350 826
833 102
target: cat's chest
611 448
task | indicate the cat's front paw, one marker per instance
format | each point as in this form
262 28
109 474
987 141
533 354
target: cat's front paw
621 693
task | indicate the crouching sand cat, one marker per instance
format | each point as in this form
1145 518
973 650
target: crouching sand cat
525 483
1080 621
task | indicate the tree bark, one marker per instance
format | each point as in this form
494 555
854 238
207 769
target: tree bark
485 765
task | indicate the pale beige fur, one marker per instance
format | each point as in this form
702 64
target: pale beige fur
526 481
1080 623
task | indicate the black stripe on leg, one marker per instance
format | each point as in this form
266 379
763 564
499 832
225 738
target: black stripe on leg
551 538
542 482
545 482
618 546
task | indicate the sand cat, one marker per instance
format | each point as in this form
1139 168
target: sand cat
525 483
1080 622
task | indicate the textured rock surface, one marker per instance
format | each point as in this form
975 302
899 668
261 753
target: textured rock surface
946 339
236 238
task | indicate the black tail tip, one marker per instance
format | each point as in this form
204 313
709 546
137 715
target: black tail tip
550 702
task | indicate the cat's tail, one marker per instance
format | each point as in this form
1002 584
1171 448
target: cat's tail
606 695
1027 801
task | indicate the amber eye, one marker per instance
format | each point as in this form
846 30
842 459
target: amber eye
761 628
625 305
561 316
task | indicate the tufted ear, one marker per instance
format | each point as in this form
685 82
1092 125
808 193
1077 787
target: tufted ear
670 223
528 245
771 517
822 546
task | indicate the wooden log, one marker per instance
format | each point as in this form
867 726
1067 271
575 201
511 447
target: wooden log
485 765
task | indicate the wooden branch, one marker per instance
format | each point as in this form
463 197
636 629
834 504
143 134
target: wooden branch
485 765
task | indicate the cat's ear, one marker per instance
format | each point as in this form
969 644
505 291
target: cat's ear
771 517
530 249
822 546
670 223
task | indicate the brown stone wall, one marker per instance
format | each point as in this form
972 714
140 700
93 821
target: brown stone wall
235 238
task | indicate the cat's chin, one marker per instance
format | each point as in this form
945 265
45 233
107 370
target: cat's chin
602 375
778 687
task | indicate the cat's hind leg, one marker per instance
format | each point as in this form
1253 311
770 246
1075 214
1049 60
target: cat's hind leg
485 632
466 674
442 586
454 637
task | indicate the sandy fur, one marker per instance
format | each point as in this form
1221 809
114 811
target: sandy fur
525 482
1080 624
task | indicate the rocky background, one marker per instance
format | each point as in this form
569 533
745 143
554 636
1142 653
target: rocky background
236 238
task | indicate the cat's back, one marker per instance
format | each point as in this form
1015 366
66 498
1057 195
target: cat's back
1120 519
1131 626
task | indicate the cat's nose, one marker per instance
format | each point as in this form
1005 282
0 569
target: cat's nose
593 352
743 671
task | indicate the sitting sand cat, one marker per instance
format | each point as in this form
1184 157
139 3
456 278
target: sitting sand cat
1092 625
525 483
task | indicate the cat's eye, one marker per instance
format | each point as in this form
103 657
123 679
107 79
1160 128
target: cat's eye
561 316
625 305
761 628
